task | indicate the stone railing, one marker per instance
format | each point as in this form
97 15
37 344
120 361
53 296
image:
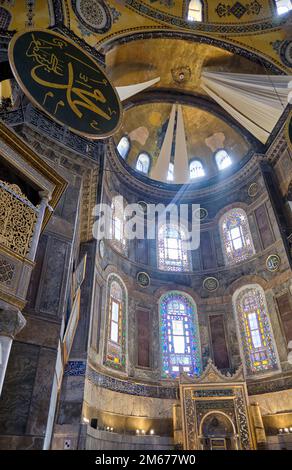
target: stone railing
18 217
38 120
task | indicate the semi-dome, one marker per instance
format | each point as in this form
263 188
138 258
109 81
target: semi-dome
145 272
205 136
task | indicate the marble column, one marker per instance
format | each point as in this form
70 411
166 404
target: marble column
11 323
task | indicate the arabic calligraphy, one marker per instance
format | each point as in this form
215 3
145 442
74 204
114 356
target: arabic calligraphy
66 83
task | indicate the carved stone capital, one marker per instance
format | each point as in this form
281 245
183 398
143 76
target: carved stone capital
11 322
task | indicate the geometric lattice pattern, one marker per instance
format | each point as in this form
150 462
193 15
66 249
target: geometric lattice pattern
238 9
17 220
6 272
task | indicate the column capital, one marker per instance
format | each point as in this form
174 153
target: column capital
11 322
45 196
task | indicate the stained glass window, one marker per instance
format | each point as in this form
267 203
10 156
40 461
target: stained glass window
179 332
172 252
170 173
115 347
236 237
283 6
124 147
143 163
196 169
223 160
255 330
195 10
117 225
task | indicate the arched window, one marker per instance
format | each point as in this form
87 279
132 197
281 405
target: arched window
5 18
196 169
179 334
223 160
236 237
124 147
195 10
172 250
143 163
283 6
254 330
117 224
115 344
170 173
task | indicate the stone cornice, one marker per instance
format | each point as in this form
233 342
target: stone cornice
11 322
163 191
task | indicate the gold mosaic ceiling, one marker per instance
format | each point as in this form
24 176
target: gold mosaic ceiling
145 126
139 61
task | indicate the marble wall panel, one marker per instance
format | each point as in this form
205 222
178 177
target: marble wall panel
18 386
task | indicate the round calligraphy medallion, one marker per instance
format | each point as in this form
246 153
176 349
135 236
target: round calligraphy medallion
201 213
143 279
253 190
273 262
211 283
65 82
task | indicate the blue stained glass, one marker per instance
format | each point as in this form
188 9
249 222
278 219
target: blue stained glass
180 345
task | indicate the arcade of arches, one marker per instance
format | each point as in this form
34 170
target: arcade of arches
154 342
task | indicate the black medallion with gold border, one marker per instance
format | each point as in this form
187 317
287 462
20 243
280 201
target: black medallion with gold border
65 82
